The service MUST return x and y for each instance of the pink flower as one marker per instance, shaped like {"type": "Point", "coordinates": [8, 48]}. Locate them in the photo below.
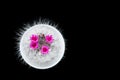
{"type": "Point", "coordinates": [44, 49]}
{"type": "Point", "coordinates": [49, 38]}
{"type": "Point", "coordinates": [34, 38]}
{"type": "Point", "coordinates": [33, 45]}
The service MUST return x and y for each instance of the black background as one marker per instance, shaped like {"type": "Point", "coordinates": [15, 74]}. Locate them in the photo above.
{"type": "Point", "coordinates": [79, 55]}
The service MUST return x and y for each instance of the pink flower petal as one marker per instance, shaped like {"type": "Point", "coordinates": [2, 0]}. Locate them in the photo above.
{"type": "Point", "coordinates": [34, 38]}
{"type": "Point", "coordinates": [49, 38]}
{"type": "Point", "coordinates": [33, 45]}
{"type": "Point", "coordinates": [44, 49]}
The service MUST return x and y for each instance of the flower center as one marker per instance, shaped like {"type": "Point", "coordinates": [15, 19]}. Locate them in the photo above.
{"type": "Point", "coordinates": [49, 38]}
{"type": "Point", "coordinates": [44, 49]}
{"type": "Point", "coordinates": [34, 44]}
{"type": "Point", "coordinates": [34, 38]}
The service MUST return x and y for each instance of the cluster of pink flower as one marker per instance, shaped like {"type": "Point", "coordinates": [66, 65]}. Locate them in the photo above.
{"type": "Point", "coordinates": [41, 42]}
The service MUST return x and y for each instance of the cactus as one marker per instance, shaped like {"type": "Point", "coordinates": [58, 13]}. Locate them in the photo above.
{"type": "Point", "coordinates": [41, 45]}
